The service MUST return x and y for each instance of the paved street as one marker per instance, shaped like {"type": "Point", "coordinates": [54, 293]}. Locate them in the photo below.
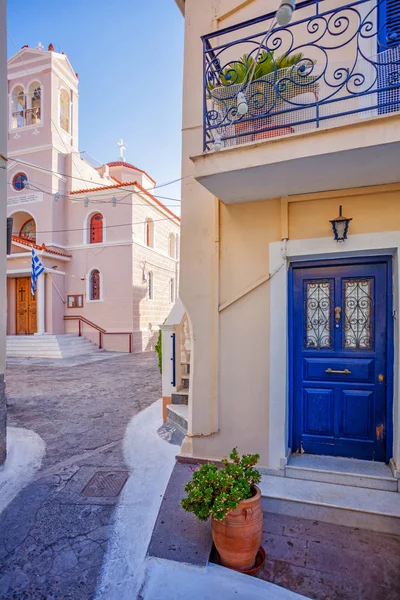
{"type": "Point", "coordinates": [53, 536]}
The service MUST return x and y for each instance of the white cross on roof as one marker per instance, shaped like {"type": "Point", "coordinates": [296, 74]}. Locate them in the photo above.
{"type": "Point", "coordinates": [122, 147]}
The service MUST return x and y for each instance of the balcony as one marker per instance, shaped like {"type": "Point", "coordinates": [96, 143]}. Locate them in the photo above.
{"type": "Point", "coordinates": [309, 107]}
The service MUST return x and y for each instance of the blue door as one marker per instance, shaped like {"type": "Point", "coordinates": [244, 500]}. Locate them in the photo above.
{"type": "Point", "coordinates": [339, 358]}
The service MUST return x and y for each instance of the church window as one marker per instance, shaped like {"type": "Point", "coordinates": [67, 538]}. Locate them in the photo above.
{"type": "Point", "coordinates": [18, 107]}
{"type": "Point", "coordinates": [94, 285]}
{"type": "Point", "coordinates": [19, 181]}
{"type": "Point", "coordinates": [172, 245]}
{"type": "Point", "coordinates": [149, 233]}
{"type": "Point", "coordinates": [151, 285]}
{"type": "Point", "coordinates": [64, 110]}
{"type": "Point", "coordinates": [96, 229]}
{"type": "Point", "coordinates": [34, 104]}
{"type": "Point", "coordinates": [28, 230]}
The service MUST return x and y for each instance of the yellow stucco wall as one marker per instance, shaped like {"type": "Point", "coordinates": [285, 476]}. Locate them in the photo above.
{"type": "Point", "coordinates": [371, 213]}
{"type": "Point", "coordinates": [245, 232]}
{"type": "Point", "coordinates": [225, 250]}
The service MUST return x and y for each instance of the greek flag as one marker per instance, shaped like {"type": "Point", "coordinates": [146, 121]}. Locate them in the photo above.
{"type": "Point", "coordinates": [37, 269]}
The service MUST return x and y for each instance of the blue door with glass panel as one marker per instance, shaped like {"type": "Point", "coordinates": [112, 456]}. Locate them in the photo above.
{"type": "Point", "coordinates": [340, 358]}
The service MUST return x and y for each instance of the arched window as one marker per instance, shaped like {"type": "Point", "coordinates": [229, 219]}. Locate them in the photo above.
{"type": "Point", "coordinates": [28, 230]}
{"type": "Point", "coordinates": [149, 233]}
{"type": "Point", "coordinates": [172, 245]}
{"type": "Point", "coordinates": [96, 229]}
{"type": "Point", "coordinates": [34, 104]}
{"type": "Point", "coordinates": [18, 107]}
{"type": "Point", "coordinates": [64, 110]}
{"type": "Point", "coordinates": [171, 290]}
{"type": "Point", "coordinates": [151, 285]}
{"type": "Point", "coordinates": [19, 181]}
{"type": "Point", "coordinates": [94, 285]}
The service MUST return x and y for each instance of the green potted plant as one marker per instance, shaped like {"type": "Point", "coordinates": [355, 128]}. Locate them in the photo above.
{"type": "Point", "coordinates": [230, 496]}
{"type": "Point", "coordinates": [267, 85]}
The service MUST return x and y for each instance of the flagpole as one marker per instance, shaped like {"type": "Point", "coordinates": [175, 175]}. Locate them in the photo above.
{"type": "Point", "coordinates": [57, 290]}
{"type": "Point", "coordinates": [41, 327]}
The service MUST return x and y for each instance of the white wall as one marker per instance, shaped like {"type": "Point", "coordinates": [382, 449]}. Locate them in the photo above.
{"type": "Point", "coordinates": [3, 215]}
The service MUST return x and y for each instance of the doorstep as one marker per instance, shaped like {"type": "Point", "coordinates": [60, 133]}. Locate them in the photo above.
{"type": "Point", "coordinates": [343, 471]}
{"type": "Point", "coordinates": [177, 414]}
{"type": "Point", "coordinates": [371, 509]}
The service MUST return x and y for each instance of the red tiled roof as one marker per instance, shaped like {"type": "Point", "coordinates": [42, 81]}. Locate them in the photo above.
{"type": "Point", "coordinates": [130, 183]}
{"type": "Point", "coordinates": [19, 240]}
{"type": "Point", "coordinates": [142, 189]}
{"type": "Point", "coordinates": [121, 163]}
{"type": "Point", "coordinates": [103, 187]}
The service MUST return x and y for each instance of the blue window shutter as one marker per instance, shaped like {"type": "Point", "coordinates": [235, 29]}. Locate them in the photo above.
{"type": "Point", "coordinates": [389, 56]}
{"type": "Point", "coordinates": [392, 23]}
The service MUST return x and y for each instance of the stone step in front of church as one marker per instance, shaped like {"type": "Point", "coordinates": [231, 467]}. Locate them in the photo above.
{"type": "Point", "coordinates": [49, 346]}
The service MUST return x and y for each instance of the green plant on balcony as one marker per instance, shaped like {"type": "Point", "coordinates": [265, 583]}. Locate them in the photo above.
{"type": "Point", "coordinates": [268, 84]}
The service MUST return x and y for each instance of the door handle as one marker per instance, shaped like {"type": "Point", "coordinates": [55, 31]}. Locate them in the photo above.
{"type": "Point", "coordinates": [338, 310]}
{"type": "Point", "coordinates": [344, 372]}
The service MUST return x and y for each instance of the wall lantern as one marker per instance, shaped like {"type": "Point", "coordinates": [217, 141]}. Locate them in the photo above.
{"type": "Point", "coordinates": [340, 226]}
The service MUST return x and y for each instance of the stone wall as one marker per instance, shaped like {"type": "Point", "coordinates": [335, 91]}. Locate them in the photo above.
{"type": "Point", "coordinates": [149, 314]}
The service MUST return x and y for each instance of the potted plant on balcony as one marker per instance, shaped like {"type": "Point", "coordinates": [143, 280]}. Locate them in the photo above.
{"type": "Point", "coordinates": [230, 496]}
{"type": "Point", "coordinates": [267, 85]}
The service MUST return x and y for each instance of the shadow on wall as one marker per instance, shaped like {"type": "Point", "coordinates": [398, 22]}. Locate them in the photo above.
{"type": "Point", "coordinates": [151, 341]}
{"type": "Point", "coordinates": [145, 321]}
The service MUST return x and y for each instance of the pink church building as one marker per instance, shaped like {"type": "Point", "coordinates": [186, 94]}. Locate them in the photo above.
{"type": "Point", "coordinates": [109, 246]}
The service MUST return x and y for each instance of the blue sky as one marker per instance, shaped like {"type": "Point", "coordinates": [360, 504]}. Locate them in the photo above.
{"type": "Point", "coordinates": [129, 57]}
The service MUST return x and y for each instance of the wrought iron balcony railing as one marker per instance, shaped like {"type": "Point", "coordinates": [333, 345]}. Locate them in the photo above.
{"type": "Point", "coordinates": [331, 65]}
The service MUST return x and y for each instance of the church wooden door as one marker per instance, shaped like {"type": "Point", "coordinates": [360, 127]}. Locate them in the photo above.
{"type": "Point", "coordinates": [26, 308]}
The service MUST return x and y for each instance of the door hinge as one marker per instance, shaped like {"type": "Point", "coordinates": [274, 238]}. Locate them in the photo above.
{"type": "Point", "coordinates": [380, 432]}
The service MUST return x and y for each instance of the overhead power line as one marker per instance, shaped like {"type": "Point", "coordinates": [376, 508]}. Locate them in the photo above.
{"type": "Point", "coordinates": [47, 190]}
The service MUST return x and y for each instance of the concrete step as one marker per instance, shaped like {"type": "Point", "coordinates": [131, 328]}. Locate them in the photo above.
{"type": "Point", "coordinates": [185, 381]}
{"type": "Point", "coordinates": [49, 346]}
{"type": "Point", "coordinates": [33, 339]}
{"type": "Point", "coordinates": [375, 510]}
{"type": "Point", "coordinates": [177, 414]}
{"type": "Point", "coordinates": [343, 471]}
{"type": "Point", "coordinates": [180, 397]}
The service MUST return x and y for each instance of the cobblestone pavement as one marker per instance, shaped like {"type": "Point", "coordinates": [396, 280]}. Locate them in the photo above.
{"type": "Point", "coordinates": [52, 537]}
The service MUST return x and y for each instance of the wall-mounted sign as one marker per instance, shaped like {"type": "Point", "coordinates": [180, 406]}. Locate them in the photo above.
{"type": "Point", "coordinates": [25, 198]}
{"type": "Point", "coordinates": [75, 301]}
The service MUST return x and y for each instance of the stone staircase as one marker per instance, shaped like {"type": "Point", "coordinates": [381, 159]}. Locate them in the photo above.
{"type": "Point", "coordinates": [177, 412]}
{"type": "Point", "coordinates": [48, 346]}
{"type": "Point", "coordinates": [343, 491]}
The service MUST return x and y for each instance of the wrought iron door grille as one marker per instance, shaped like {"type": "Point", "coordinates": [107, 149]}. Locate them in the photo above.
{"type": "Point", "coordinates": [318, 315]}
{"type": "Point", "coordinates": [358, 326]}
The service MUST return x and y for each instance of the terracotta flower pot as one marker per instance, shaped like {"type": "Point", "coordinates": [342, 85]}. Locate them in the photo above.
{"type": "Point", "coordinates": [248, 127]}
{"type": "Point", "coordinates": [238, 537]}
{"type": "Point", "coordinates": [267, 135]}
